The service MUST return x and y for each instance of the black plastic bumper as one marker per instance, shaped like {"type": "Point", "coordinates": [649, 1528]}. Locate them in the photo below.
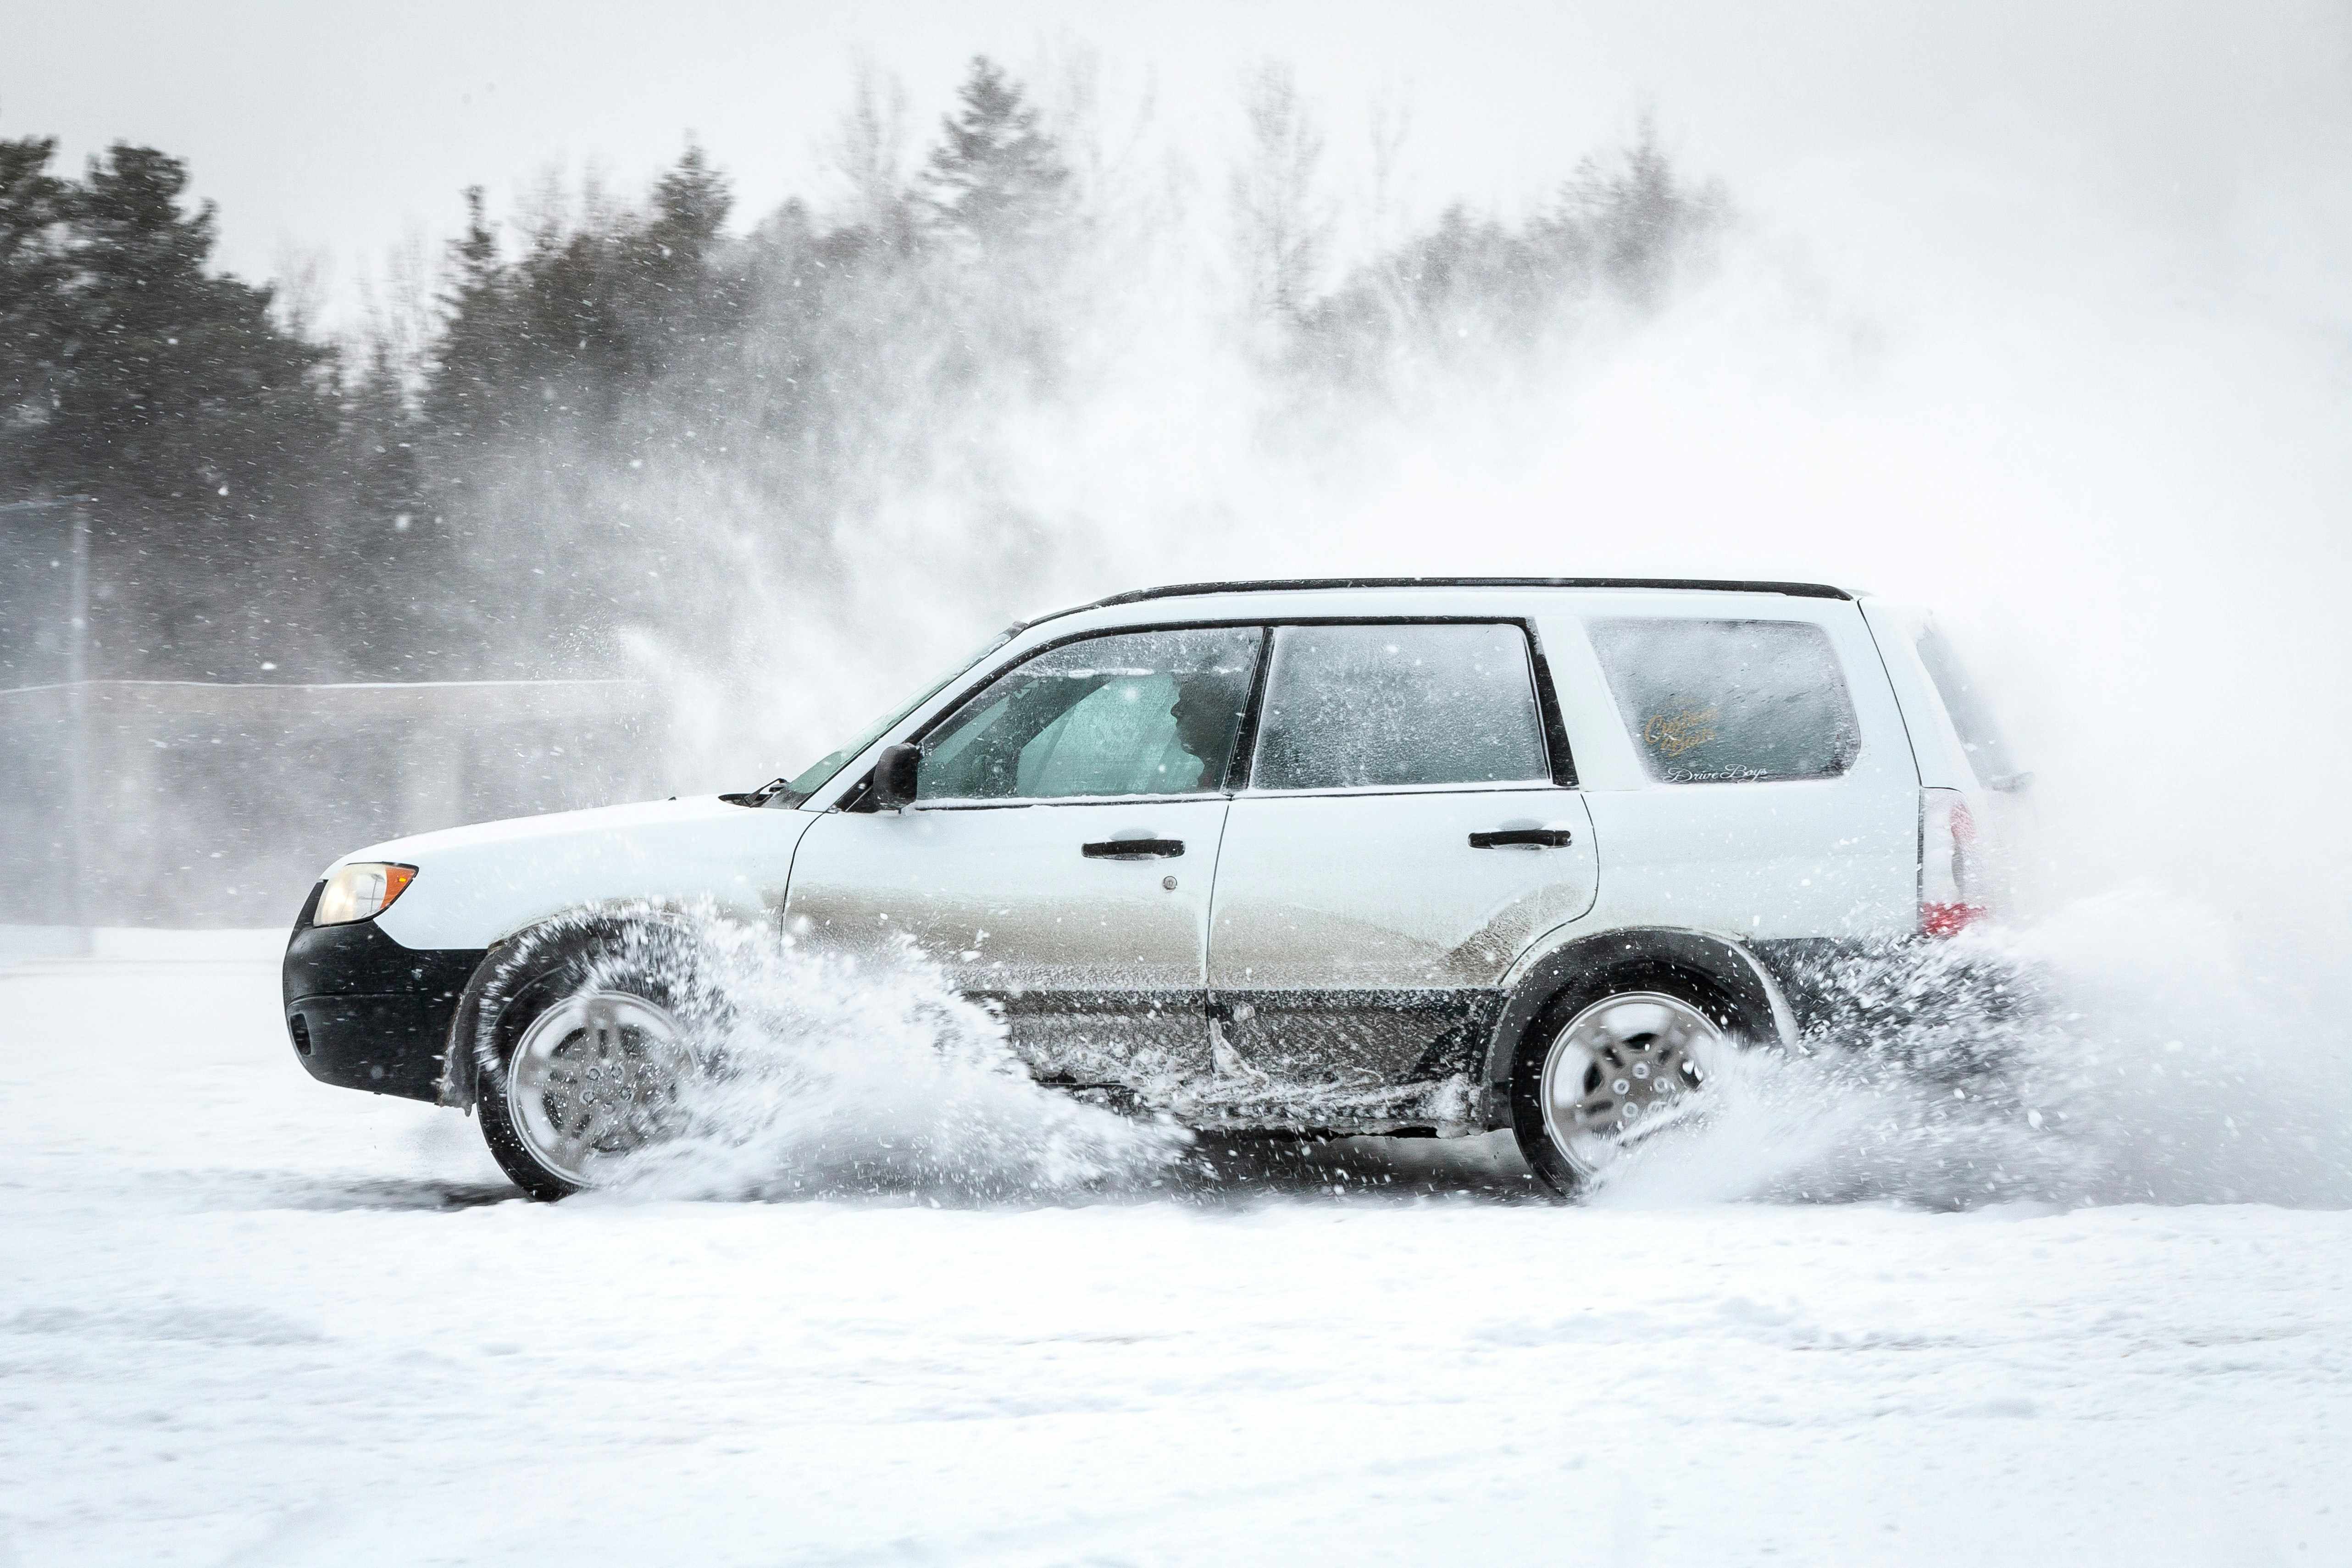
{"type": "Point", "coordinates": [364, 1012]}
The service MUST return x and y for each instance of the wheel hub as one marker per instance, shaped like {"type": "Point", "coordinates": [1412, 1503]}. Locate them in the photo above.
{"type": "Point", "coordinates": [594, 1078]}
{"type": "Point", "coordinates": [1624, 1067]}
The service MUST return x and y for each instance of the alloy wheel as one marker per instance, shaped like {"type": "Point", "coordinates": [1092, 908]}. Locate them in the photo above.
{"type": "Point", "coordinates": [1622, 1068]}
{"type": "Point", "coordinates": [593, 1079]}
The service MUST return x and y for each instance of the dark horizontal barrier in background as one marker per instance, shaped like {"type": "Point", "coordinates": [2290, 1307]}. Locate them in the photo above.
{"type": "Point", "coordinates": [180, 803]}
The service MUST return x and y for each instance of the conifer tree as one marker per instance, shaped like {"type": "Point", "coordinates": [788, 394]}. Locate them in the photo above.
{"type": "Point", "coordinates": [468, 370]}
{"type": "Point", "coordinates": [1282, 222]}
{"type": "Point", "coordinates": [177, 385]}
{"type": "Point", "coordinates": [994, 178]}
{"type": "Point", "coordinates": [33, 276]}
{"type": "Point", "coordinates": [1635, 217]}
{"type": "Point", "coordinates": [680, 295]}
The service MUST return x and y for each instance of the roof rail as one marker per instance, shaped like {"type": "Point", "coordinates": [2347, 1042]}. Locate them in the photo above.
{"type": "Point", "coordinates": [1292, 584]}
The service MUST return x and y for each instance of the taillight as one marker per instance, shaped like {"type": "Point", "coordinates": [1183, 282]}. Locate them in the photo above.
{"type": "Point", "coordinates": [1951, 880]}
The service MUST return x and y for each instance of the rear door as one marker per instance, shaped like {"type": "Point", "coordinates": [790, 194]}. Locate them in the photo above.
{"type": "Point", "coordinates": [1746, 761]}
{"type": "Point", "coordinates": [1408, 826]}
{"type": "Point", "coordinates": [1058, 857]}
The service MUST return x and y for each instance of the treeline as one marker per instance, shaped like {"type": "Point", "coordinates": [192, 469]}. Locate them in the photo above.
{"type": "Point", "coordinates": [609, 407]}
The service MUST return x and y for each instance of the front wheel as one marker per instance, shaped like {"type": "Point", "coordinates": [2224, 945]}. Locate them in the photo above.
{"type": "Point", "coordinates": [1610, 1064]}
{"type": "Point", "coordinates": [583, 1052]}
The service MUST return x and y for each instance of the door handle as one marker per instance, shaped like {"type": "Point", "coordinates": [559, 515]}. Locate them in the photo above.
{"type": "Point", "coordinates": [1133, 849]}
{"type": "Point", "coordinates": [1533, 837]}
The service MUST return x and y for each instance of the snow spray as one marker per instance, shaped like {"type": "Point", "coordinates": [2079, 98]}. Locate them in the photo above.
{"type": "Point", "coordinates": [823, 1076]}
{"type": "Point", "coordinates": [2109, 455]}
{"type": "Point", "coordinates": [2072, 1061]}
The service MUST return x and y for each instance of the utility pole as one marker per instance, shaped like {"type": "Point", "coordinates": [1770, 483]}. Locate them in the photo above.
{"type": "Point", "coordinates": [78, 713]}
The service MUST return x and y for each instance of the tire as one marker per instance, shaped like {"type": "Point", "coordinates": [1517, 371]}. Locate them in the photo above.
{"type": "Point", "coordinates": [585, 1030]}
{"type": "Point", "coordinates": [1635, 1024]}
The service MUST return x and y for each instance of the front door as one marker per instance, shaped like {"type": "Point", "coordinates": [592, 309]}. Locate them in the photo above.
{"type": "Point", "coordinates": [1399, 843]}
{"type": "Point", "coordinates": [1058, 859]}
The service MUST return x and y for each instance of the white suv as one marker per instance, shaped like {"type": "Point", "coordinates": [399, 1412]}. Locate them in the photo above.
{"type": "Point", "coordinates": [1409, 857]}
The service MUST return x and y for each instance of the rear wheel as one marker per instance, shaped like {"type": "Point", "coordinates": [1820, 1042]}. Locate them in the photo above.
{"type": "Point", "coordinates": [1612, 1062]}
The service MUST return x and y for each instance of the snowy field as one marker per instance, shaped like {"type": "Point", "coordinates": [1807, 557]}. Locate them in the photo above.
{"type": "Point", "coordinates": [247, 1319]}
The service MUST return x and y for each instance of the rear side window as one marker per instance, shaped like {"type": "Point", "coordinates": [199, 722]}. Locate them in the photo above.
{"type": "Point", "coordinates": [1372, 706]}
{"type": "Point", "coordinates": [1972, 716]}
{"type": "Point", "coordinates": [1731, 701]}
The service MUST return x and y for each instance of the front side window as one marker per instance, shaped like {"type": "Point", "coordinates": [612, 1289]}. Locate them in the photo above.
{"type": "Point", "coordinates": [1137, 712]}
{"type": "Point", "coordinates": [1723, 701]}
{"type": "Point", "coordinates": [1397, 705]}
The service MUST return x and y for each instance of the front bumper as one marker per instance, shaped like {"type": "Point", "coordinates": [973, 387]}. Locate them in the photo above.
{"type": "Point", "coordinates": [364, 1012]}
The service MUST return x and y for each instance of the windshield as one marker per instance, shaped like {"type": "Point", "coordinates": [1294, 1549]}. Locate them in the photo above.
{"type": "Point", "coordinates": [817, 773]}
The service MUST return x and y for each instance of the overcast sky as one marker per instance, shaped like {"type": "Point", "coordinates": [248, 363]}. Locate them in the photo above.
{"type": "Point", "coordinates": [340, 125]}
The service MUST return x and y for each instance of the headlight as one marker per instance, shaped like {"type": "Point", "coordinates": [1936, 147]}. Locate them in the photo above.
{"type": "Point", "coordinates": [362, 891]}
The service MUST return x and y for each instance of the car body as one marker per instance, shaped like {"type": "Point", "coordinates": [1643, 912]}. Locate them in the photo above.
{"type": "Point", "coordinates": [1315, 856]}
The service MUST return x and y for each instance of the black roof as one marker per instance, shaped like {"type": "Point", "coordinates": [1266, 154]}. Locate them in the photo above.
{"type": "Point", "coordinates": [1287, 584]}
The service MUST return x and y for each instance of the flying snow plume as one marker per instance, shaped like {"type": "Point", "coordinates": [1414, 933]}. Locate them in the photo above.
{"type": "Point", "coordinates": [2076, 1061]}
{"type": "Point", "coordinates": [2106, 452]}
{"type": "Point", "coordinates": [822, 1077]}
{"type": "Point", "coordinates": [2118, 485]}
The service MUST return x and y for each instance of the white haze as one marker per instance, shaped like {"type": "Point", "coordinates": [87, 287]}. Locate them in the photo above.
{"type": "Point", "coordinates": [2117, 473]}
{"type": "Point", "coordinates": [2111, 456]}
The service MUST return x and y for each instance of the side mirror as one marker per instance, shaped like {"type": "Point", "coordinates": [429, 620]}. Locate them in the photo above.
{"type": "Point", "coordinates": [894, 778]}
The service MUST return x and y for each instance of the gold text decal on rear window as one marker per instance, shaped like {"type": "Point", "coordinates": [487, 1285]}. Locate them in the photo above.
{"type": "Point", "coordinates": [1676, 732]}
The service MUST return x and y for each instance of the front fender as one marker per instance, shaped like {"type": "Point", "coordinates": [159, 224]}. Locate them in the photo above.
{"type": "Point", "coordinates": [477, 885]}
{"type": "Point", "coordinates": [489, 986]}
{"type": "Point", "coordinates": [1545, 972]}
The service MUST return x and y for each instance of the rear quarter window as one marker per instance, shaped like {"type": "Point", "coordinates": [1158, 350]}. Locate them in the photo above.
{"type": "Point", "coordinates": [1972, 718]}
{"type": "Point", "coordinates": [1713, 702]}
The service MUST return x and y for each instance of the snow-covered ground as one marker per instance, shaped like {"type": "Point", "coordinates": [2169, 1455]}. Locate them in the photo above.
{"type": "Point", "coordinates": [248, 1319]}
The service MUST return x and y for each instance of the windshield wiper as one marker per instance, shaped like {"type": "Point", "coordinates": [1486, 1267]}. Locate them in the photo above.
{"type": "Point", "coordinates": [760, 797]}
